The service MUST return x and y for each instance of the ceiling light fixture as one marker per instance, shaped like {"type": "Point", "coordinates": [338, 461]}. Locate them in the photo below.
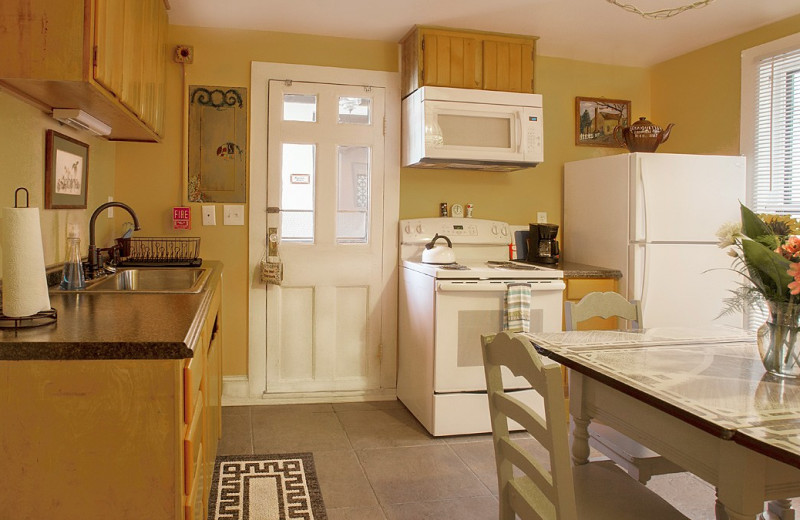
{"type": "Point", "coordinates": [661, 14]}
{"type": "Point", "coordinates": [81, 120]}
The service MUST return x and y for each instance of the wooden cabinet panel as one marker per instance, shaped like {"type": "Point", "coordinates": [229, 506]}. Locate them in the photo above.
{"type": "Point", "coordinates": [109, 59]}
{"type": "Point", "coordinates": [458, 58]}
{"type": "Point", "coordinates": [105, 57]}
{"type": "Point", "coordinates": [192, 447]}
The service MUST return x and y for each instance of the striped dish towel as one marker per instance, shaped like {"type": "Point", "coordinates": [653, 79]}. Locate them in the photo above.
{"type": "Point", "coordinates": [517, 310]}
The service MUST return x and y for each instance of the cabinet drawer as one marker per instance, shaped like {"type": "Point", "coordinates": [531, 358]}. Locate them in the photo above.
{"type": "Point", "coordinates": [191, 446]}
{"type": "Point", "coordinates": [193, 508]}
{"type": "Point", "coordinates": [578, 288]}
{"type": "Point", "coordinates": [192, 377]}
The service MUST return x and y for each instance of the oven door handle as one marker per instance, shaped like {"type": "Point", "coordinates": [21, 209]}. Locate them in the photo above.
{"type": "Point", "coordinates": [498, 286]}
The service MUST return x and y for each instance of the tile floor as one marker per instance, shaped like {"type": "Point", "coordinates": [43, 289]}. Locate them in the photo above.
{"type": "Point", "coordinates": [376, 462]}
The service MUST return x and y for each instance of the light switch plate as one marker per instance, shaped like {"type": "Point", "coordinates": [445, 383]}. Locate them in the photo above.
{"type": "Point", "coordinates": [541, 217]}
{"type": "Point", "coordinates": [110, 211]}
{"type": "Point", "coordinates": [209, 215]}
{"type": "Point", "coordinates": [233, 215]}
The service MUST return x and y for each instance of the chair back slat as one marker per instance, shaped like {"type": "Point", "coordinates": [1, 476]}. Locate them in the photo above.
{"type": "Point", "coordinates": [603, 305]}
{"type": "Point", "coordinates": [545, 493]}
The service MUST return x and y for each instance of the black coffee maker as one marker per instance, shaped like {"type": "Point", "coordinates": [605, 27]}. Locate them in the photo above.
{"type": "Point", "coordinates": [543, 246]}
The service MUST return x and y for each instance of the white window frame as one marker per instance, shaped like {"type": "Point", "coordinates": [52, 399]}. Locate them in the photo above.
{"type": "Point", "coordinates": [747, 129]}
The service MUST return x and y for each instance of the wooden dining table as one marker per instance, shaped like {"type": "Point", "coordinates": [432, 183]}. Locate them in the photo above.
{"type": "Point", "coordinates": [699, 397]}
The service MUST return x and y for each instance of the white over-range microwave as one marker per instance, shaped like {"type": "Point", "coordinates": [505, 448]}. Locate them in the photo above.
{"type": "Point", "coordinates": [472, 129]}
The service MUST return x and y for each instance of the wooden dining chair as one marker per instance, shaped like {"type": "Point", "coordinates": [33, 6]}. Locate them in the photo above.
{"type": "Point", "coordinates": [640, 462]}
{"type": "Point", "coordinates": [527, 487]}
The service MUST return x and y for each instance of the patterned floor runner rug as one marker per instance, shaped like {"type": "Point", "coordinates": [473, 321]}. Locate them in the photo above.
{"type": "Point", "coordinates": [265, 487]}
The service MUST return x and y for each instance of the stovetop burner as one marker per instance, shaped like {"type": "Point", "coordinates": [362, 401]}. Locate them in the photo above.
{"type": "Point", "coordinates": [454, 267]}
{"type": "Point", "coordinates": [512, 265]}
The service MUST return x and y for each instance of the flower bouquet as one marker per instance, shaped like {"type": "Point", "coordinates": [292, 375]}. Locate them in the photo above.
{"type": "Point", "coordinates": [766, 251]}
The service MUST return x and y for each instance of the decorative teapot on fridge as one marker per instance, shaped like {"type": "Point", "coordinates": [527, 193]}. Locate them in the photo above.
{"type": "Point", "coordinates": [641, 136]}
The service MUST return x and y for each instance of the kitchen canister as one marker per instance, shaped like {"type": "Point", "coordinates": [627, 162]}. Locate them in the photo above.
{"type": "Point", "coordinates": [24, 277]}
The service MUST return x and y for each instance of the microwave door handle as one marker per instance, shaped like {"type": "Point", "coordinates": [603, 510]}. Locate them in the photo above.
{"type": "Point", "coordinates": [519, 132]}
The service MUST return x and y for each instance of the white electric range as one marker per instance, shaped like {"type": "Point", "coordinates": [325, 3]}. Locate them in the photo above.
{"type": "Point", "coordinates": [444, 310]}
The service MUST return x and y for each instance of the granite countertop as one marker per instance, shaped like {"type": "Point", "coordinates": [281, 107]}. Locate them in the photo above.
{"type": "Point", "coordinates": [115, 326]}
{"type": "Point", "coordinates": [576, 270]}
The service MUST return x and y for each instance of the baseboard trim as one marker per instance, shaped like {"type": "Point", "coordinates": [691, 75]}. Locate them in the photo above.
{"type": "Point", "coordinates": [235, 393]}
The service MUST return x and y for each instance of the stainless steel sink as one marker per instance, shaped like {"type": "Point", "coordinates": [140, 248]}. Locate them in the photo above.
{"type": "Point", "coordinates": [152, 280]}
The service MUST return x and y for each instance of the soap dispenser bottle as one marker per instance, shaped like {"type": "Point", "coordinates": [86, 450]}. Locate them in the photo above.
{"type": "Point", "coordinates": [72, 277]}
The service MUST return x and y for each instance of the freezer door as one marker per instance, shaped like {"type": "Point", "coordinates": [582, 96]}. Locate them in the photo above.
{"type": "Point", "coordinates": [683, 284]}
{"type": "Point", "coordinates": [684, 198]}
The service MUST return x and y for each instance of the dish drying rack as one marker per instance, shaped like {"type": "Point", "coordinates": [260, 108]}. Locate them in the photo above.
{"type": "Point", "coordinates": [159, 251]}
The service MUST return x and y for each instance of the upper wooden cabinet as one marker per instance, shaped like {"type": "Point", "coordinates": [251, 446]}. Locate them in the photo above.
{"type": "Point", "coordinates": [459, 58]}
{"type": "Point", "coordinates": [106, 57]}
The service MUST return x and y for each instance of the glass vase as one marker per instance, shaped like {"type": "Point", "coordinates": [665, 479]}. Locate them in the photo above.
{"type": "Point", "coordinates": [779, 339]}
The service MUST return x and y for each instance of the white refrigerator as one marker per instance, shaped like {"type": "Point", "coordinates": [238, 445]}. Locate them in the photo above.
{"type": "Point", "coordinates": [655, 216]}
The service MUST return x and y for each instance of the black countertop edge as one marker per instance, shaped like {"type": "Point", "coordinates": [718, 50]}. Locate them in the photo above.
{"type": "Point", "coordinates": [81, 351]}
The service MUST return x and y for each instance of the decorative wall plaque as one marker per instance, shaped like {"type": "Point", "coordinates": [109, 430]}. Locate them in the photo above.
{"type": "Point", "coordinates": [217, 144]}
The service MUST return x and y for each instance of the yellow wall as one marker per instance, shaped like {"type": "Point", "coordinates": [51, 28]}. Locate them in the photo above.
{"type": "Point", "coordinates": [151, 177]}
{"type": "Point", "coordinates": [516, 197]}
{"type": "Point", "coordinates": [22, 144]}
{"type": "Point", "coordinates": [701, 92]}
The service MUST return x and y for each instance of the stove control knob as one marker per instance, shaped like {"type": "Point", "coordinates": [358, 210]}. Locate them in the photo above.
{"type": "Point", "coordinates": [419, 228]}
{"type": "Point", "coordinates": [494, 229]}
{"type": "Point", "coordinates": [504, 231]}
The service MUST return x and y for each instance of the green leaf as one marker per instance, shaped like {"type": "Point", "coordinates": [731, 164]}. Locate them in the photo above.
{"type": "Point", "coordinates": [769, 265]}
{"type": "Point", "coordinates": [752, 226]}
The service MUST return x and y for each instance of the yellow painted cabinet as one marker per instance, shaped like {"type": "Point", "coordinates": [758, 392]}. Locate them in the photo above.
{"type": "Point", "coordinates": [577, 288]}
{"type": "Point", "coordinates": [105, 57]}
{"type": "Point", "coordinates": [467, 59]}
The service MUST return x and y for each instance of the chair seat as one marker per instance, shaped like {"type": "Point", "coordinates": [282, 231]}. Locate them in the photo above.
{"type": "Point", "coordinates": [639, 461]}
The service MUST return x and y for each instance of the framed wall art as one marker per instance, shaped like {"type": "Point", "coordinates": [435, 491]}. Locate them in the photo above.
{"type": "Point", "coordinates": [66, 172]}
{"type": "Point", "coordinates": [596, 118]}
{"type": "Point", "coordinates": [217, 144]}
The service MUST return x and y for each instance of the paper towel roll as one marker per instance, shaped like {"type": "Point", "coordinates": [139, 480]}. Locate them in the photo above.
{"type": "Point", "coordinates": [24, 276]}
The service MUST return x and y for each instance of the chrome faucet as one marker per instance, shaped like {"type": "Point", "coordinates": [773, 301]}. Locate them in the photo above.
{"type": "Point", "coordinates": [94, 253]}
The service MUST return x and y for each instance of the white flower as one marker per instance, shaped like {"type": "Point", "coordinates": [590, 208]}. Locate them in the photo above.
{"type": "Point", "coordinates": [728, 233]}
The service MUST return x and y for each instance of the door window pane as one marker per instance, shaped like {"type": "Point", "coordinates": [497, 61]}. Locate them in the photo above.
{"type": "Point", "coordinates": [352, 218]}
{"type": "Point", "coordinates": [297, 192]}
{"type": "Point", "coordinates": [299, 107]}
{"type": "Point", "coordinates": [355, 110]}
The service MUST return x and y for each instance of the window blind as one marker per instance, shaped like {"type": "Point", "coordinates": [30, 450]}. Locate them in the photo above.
{"type": "Point", "coordinates": [776, 160]}
{"type": "Point", "coordinates": [776, 148]}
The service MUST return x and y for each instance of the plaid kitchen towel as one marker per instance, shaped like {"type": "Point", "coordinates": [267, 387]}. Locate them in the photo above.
{"type": "Point", "coordinates": [517, 310]}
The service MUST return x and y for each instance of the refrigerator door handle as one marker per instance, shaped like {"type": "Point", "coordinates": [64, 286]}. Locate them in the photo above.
{"type": "Point", "coordinates": [642, 197]}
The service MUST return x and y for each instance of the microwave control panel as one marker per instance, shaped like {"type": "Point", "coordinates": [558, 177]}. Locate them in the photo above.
{"type": "Point", "coordinates": [534, 147]}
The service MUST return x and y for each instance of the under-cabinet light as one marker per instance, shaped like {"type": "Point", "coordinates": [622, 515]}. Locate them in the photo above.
{"type": "Point", "coordinates": [81, 120]}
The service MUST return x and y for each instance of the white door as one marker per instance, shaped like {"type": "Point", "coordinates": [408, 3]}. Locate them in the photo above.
{"type": "Point", "coordinates": [683, 285]}
{"type": "Point", "coordinates": [324, 196]}
{"type": "Point", "coordinates": [686, 198]}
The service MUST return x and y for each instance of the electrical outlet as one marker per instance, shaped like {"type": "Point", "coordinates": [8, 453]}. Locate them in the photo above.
{"type": "Point", "coordinates": [233, 215]}
{"type": "Point", "coordinates": [209, 215]}
{"type": "Point", "coordinates": [541, 217]}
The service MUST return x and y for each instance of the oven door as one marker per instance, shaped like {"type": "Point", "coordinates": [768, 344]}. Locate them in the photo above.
{"type": "Point", "coordinates": [466, 309]}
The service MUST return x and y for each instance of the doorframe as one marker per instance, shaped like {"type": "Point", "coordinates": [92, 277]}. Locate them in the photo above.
{"type": "Point", "coordinates": [239, 391]}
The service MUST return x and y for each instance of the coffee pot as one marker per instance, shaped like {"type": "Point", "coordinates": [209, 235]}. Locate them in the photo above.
{"type": "Point", "coordinates": [543, 247]}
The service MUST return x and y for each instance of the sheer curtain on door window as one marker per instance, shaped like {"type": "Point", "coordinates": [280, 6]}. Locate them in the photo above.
{"type": "Point", "coordinates": [770, 135]}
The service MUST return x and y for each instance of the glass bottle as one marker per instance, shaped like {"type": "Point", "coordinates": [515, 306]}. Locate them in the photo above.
{"type": "Point", "coordinates": [72, 276]}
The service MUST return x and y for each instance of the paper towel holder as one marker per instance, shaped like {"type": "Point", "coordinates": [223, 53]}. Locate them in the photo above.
{"type": "Point", "coordinates": [27, 198]}
{"type": "Point", "coordinates": [38, 319]}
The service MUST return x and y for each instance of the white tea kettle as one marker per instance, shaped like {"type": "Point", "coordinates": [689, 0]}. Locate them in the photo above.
{"type": "Point", "coordinates": [439, 254]}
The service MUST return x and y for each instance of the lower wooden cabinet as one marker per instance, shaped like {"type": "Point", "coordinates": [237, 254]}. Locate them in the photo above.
{"type": "Point", "coordinates": [125, 439]}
